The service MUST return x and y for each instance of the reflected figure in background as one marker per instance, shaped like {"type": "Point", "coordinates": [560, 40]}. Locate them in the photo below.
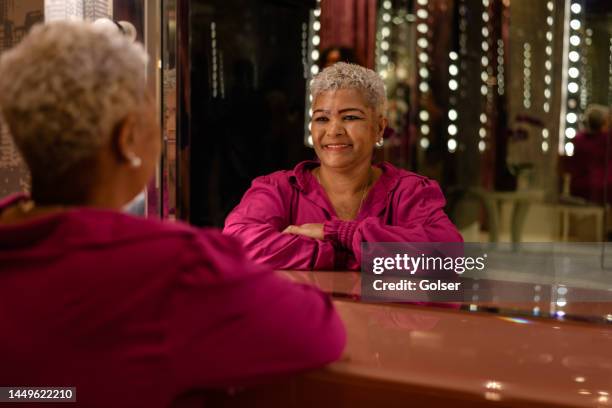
{"type": "Point", "coordinates": [587, 167]}
{"type": "Point", "coordinates": [130, 311]}
{"type": "Point", "coordinates": [317, 215]}
{"type": "Point", "coordinates": [331, 55]}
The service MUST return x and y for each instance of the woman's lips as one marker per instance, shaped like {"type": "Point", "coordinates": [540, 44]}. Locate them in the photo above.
{"type": "Point", "coordinates": [337, 147]}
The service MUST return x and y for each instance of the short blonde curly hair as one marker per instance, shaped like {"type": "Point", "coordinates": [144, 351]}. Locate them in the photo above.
{"type": "Point", "coordinates": [64, 89]}
{"type": "Point", "coordinates": [343, 75]}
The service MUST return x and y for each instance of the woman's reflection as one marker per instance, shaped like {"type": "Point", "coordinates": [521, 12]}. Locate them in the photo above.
{"type": "Point", "coordinates": [317, 215]}
{"type": "Point", "coordinates": [587, 167]}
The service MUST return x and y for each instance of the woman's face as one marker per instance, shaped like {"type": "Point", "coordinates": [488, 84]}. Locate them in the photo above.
{"type": "Point", "coordinates": [344, 128]}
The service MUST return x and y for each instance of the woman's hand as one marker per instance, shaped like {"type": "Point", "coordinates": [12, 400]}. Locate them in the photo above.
{"type": "Point", "coordinates": [308, 230]}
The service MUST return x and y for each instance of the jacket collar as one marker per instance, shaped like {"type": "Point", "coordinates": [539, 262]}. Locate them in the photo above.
{"type": "Point", "coordinates": [376, 202]}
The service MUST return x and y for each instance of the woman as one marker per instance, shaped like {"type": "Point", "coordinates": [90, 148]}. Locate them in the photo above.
{"type": "Point", "coordinates": [587, 166]}
{"type": "Point", "coordinates": [317, 215]}
{"type": "Point", "coordinates": [131, 312]}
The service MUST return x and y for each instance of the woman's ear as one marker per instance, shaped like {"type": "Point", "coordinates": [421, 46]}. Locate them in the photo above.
{"type": "Point", "coordinates": [124, 141]}
{"type": "Point", "coordinates": [382, 125]}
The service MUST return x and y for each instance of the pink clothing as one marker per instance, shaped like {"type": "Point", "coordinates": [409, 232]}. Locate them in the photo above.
{"type": "Point", "coordinates": [401, 207]}
{"type": "Point", "coordinates": [588, 167]}
{"type": "Point", "coordinates": [135, 312]}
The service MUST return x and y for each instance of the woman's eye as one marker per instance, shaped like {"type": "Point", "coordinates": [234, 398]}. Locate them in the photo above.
{"type": "Point", "coordinates": [351, 117]}
{"type": "Point", "coordinates": [321, 119]}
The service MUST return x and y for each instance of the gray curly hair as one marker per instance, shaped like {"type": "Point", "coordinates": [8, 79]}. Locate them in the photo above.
{"type": "Point", "coordinates": [64, 89]}
{"type": "Point", "coordinates": [343, 75]}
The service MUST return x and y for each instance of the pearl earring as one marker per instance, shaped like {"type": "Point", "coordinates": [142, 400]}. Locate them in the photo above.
{"type": "Point", "coordinates": [380, 143]}
{"type": "Point", "coordinates": [135, 162]}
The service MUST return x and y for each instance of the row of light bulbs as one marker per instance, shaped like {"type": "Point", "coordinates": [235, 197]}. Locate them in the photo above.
{"type": "Point", "coordinates": [422, 39]}
{"type": "Point", "coordinates": [311, 39]}
{"type": "Point", "coordinates": [573, 87]}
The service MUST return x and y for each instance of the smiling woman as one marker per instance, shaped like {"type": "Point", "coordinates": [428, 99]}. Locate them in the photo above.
{"type": "Point", "coordinates": [317, 215]}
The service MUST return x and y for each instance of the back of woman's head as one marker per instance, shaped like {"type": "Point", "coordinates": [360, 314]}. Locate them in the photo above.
{"type": "Point", "coordinates": [595, 118]}
{"type": "Point", "coordinates": [64, 89]}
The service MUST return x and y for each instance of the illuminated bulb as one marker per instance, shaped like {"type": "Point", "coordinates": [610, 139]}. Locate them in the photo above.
{"type": "Point", "coordinates": [317, 12]}
{"type": "Point", "coordinates": [546, 107]}
{"type": "Point", "coordinates": [386, 17]}
{"type": "Point", "coordinates": [482, 145]}
{"type": "Point", "coordinates": [424, 143]}
{"type": "Point", "coordinates": [422, 28]}
{"type": "Point", "coordinates": [484, 76]}
{"type": "Point", "coordinates": [572, 87]}
{"type": "Point", "coordinates": [453, 85]}
{"type": "Point", "coordinates": [422, 2]}
{"type": "Point", "coordinates": [485, 32]}
{"type": "Point", "coordinates": [387, 5]}
{"type": "Point", "coordinates": [548, 65]}
{"type": "Point", "coordinates": [569, 148]}
{"type": "Point", "coordinates": [483, 118]}
{"type": "Point", "coordinates": [316, 40]}
{"type": "Point", "coordinates": [485, 46]}
{"type": "Point", "coordinates": [452, 114]}
{"type": "Point", "coordinates": [452, 130]}
{"type": "Point", "coordinates": [482, 133]}
{"type": "Point", "coordinates": [384, 45]}
{"type": "Point", "coordinates": [424, 87]}
{"type": "Point", "coordinates": [545, 133]}
{"type": "Point", "coordinates": [570, 133]}
{"type": "Point", "coordinates": [316, 26]}
{"type": "Point", "coordinates": [424, 115]}
{"type": "Point", "coordinates": [547, 93]}
{"type": "Point", "coordinates": [575, 24]}
{"type": "Point", "coordinates": [571, 117]}
{"type": "Point", "coordinates": [575, 40]}
{"type": "Point", "coordinates": [422, 42]}
{"type": "Point", "coordinates": [386, 31]}
{"type": "Point", "coordinates": [453, 56]}
{"type": "Point", "coordinates": [452, 145]}
{"type": "Point", "coordinates": [549, 36]}
{"type": "Point", "coordinates": [422, 13]}
{"type": "Point", "coordinates": [424, 73]}
{"type": "Point", "coordinates": [561, 302]}
{"type": "Point", "coordinates": [314, 69]}
{"type": "Point", "coordinates": [548, 50]}
{"type": "Point", "coordinates": [423, 57]}
{"type": "Point", "coordinates": [310, 140]}
{"type": "Point", "coordinates": [485, 16]}
{"type": "Point", "coordinates": [484, 90]}
{"type": "Point", "coordinates": [576, 8]}
{"type": "Point", "coordinates": [549, 21]}
{"type": "Point", "coordinates": [384, 59]}
{"type": "Point", "coordinates": [453, 70]}
{"type": "Point", "coordinates": [424, 129]}
{"type": "Point", "coordinates": [484, 61]}
{"type": "Point", "coordinates": [315, 55]}
{"type": "Point", "coordinates": [550, 6]}
{"type": "Point", "coordinates": [574, 56]}
{"type": "Point", "coordinates": [574, 72]}
{"type": "Point", "coordinates": [544, 147]}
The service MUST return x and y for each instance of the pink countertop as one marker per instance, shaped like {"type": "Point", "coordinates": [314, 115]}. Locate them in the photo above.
{"type": "Point", "coordinates": [488, 357]}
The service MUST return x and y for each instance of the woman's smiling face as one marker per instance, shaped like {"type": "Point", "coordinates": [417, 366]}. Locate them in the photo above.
{"type": "Point", "coordinates": [344, 128]}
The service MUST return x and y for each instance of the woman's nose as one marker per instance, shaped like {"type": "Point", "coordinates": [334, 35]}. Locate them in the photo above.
{"type": "Point", "coordinates": [336, 128]}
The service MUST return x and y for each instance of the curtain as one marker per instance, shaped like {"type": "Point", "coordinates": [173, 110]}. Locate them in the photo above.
{"type": "Point", "coordinates": [350, 23]}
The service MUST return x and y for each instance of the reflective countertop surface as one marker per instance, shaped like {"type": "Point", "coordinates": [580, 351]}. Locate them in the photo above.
{"type": "Point", "coordinates": [489, 352]}
{"type": "Point", "coordinates": [485, 356]}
